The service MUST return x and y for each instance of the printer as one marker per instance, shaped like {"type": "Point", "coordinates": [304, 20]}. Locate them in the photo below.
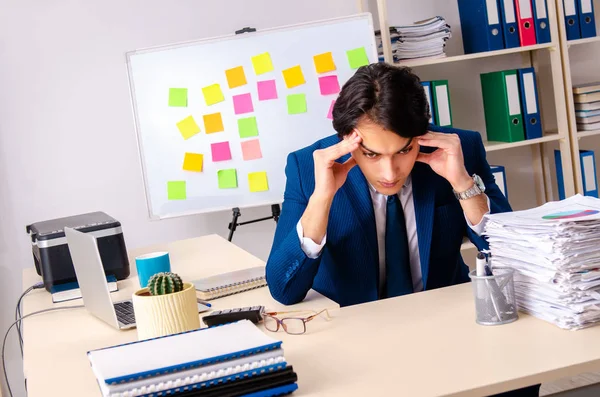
{"type": "Point", "coordinates": [51, 253]}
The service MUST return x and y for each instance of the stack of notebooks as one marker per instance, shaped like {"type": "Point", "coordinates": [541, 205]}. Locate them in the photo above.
{"type": "Point", "coordinates": [423, 39]}
{"type": "Point", "coordinates": [230, 283]}
{"type": "Point", "coordinates": [235, 359]}
{"type": "Point", "coordinates": [587, 106]}
{"type": "Point", "coordinates": [553, 250]}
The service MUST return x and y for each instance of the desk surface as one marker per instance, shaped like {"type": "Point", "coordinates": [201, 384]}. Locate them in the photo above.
{"type": "Point", "coordinates": [424, 344]}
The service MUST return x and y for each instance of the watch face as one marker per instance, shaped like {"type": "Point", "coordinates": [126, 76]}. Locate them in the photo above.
{"type": "Point", "coordinates": [479, 182]}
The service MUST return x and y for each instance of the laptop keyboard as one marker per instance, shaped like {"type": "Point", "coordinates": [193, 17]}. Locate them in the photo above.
{"type": "Point", "coordinates": [124, 312]}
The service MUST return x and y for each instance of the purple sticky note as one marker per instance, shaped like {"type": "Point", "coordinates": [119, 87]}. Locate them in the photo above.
{"type": "Point", "coordinates": [220, 151]}
{"type": "Point", "coordinates": [330, 114]}
{"type": "Point", "coordinates": [242, 104]}
{"type": "Point", "coordinates": [329, 85]}
{"type": "Point", "coordinates": [267, 90]}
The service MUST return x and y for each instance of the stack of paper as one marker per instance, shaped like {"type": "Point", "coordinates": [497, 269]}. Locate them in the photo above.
{"type": "Point", "coordinates": [554, 252]}
{"type": "Point", "coordinates": [423, 39]}
{"type": "Point", "coordinates": [229, 360]}
{"type": "Point", "coordinates": [587, 106]}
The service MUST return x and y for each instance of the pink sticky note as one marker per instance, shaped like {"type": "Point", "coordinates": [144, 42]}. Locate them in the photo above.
{"type": "Point", "coordinates": [251, 150]}
{"type": "Point", "coordinates": [267, 90]}
{"type": "Point", "coordinates": [329, 85]}
{"type": "Point", "coordinates": [220, 151]}
{"type": "Point", "coordinates": [330, 114]}
{"type": "Point", "coordinates": [242, 104]}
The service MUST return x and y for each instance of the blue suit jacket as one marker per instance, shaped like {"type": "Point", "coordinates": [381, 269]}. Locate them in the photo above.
{"type": "Point", "coordinates": [347, 270]}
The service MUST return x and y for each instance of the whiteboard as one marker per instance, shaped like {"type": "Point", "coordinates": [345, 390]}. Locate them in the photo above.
{"type": "Point", "coordinates": [173, 189]}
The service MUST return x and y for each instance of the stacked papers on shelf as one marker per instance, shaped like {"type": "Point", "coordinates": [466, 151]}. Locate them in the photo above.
{"type": "Point", "coordinates": [553, 250]}
{"type": "Point", "coordinates": [423, 39]}
{"type": "Point", "coordinates": [587, 105]}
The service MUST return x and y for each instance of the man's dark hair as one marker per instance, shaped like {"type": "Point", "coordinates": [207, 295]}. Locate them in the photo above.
{"type": "Point", "coordinates": [389, 96]}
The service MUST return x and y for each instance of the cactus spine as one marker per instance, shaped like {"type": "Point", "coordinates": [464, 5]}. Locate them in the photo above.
{"type": "Point", "coordinates": [164, 283]}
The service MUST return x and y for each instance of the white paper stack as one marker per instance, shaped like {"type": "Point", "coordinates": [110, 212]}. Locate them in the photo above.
{"type": "Point", "coordinates": [554, 250]}
{"type": "Point", "coordinates": [423, 39]}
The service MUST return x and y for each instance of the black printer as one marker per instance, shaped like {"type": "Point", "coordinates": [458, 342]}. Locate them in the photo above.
{"type": "Point", "coordinates": [51, 253]}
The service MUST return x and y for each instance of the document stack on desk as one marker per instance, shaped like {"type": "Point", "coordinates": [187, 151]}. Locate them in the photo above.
{"type": "Point", "coordinates": [234, 359]}
{"type": "Point", "coordinates": [420, 40]}
{"type": "Point", "coordinates": [554, 252]}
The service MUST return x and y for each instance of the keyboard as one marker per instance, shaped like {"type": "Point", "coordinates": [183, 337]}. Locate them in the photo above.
{"type": "Point", "coordinates": [124, 312]}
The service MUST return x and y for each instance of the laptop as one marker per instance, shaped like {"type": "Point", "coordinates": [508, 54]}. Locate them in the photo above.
{"type": "Point", "coordinates": [92, 282]}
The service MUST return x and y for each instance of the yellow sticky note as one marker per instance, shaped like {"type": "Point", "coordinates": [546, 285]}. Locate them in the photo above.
{"type": "Point", "coordinates": [213, 94]}
{"type": "Point", "coordinates": [213, 123]}
{"type": "Point", "coordinates": [293, 77]}
{"type": "Point", "coordinates": [324, 62]}
{"type": "Point", "coordinates": [193, 162]}
{"type": "Point", "coordinates": [258, 181]}
{"type": "Point", "coordinates": [236, 77]}
{"type": "Point", "coordinates": [188, 127]}
{"type": "Point", "coordinates": [262, 63]}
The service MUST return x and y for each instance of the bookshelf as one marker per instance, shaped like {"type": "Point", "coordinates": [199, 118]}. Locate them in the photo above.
{"type": "Point", "coordinates": [567, 46]}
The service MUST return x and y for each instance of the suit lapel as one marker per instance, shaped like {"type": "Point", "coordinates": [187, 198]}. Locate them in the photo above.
{"type": "Point", "coordinates": [424, 199]}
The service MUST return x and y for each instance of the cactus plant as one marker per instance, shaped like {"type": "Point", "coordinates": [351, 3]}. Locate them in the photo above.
{"type": "Point", "coordinates": [164, 283]}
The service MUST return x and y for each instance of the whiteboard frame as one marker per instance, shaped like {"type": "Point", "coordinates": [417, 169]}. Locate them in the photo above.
{"type": "Point", "coordinates": [361, 16]}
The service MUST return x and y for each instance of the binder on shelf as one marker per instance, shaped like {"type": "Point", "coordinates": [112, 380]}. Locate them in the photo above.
{"type": "Point", "coordinates": [502, 106]}
{"type": "Point", "coordinates": [587, 161]}
{"type": "Point", "coordinates": [532, 122]}
{"type": "Point", "coordinates": [571, 20]}
{"type": "Point", "coordinates": [230, 283]}
{"type": "Point", "coordinates": [525, 21]}
{"type": "Point", "coordinates": [441, 103]}
{"type": "Point", "coordinates": [510, 28]}
{"type": "Point", "coordinates": [480, 25]}
{"type": "Point", "coordinates": [427, 87]}
{"type": "Point", "coordinates": [560, 182]}
{"type": "Point", "coordinates": [499, 173]}
{"type": "Point", "coordinates": [587, 20]}
{"type": "Point", "coordinates": [541, 21]}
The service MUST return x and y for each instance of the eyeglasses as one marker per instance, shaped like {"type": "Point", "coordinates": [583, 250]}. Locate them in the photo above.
{"type": "Point", "coordinates": [291, 325]}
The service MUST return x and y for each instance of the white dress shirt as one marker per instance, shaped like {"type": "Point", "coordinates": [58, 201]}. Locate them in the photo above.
{"type": "Point", "coordinates": [313, 250]}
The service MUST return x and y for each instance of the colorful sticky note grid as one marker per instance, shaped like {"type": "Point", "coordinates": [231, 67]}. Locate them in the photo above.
{"type": "Point", "coordinates": [258, 181]}
{"type": "Point", "coordinates": [193, 162]}
{"type": "Point", "coordinates": [251, 150]}
{"type": "Point", "coordinates": [178, 97]}
{"type": "Point", "coordinates": [330, 114]}
{"type": "Point", "coordinates": [293, 77]}
{"type": "Point", "coordinates": [357, 57]}
{"type": "Point", "coordinates": [236, 77]}
{"type": "Point", "coordinates": [242, 104]}
{"type": "Point", "coordinates": [227, 178]}
{"type": "Point", "coordinates": [213, 123]}
{"type": "Point", "coordinates": [220, 151]}
{"type": "Point", "coordinates": [213, 94]}
{"type": "Point", "coordinates": [296, 103]}
{"type": "Point", "coordinates": [176, 190]}
{"type": "Point", "coordinates": [247, 127]}
{"type": "Point", "coordinates": [329, 85]}
{"type": "Point", "coordinates": [267, 90]}
{"type": "Point", "coordinates": [324, 62]}
{"type": "Point", "coordinates": [262, 63]}
{"type": "Point", "coordinates": [188, 127]}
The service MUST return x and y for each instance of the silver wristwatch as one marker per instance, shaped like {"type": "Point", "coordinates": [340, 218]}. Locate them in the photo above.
{"type": "Point", "coordinates": [477, 189]}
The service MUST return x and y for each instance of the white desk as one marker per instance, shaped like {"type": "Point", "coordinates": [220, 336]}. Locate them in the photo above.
{"type": "Point", "coordinates": [424, 344]}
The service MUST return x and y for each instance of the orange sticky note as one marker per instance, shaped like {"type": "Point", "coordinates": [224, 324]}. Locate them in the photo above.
{"type": "Point", "coordinates": [258, 181]}
{"type": "Point", "coordinates": [213, 123]}
{"type": "Point", "coordinates": [236, 77]}
{"type": "Point", "coordinates": [188, 127]}
{"type": "Point", "coordinates": [262, 63]}
{"type": "Point", "coordinates": [293, 77]}
{"type": "Point", "coordinates": [213, 94]}
{"type": "Point", "coordinates": [193, 162]}
{"type": "Point", "coordinates": [324, 62]}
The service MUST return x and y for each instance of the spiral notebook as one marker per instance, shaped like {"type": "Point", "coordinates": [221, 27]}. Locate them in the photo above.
{"type": "Point", "coordinates": [230, 283]}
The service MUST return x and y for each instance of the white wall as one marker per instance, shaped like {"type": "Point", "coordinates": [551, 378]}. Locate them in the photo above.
{"type": "Point", "coordinates": [67, 140]}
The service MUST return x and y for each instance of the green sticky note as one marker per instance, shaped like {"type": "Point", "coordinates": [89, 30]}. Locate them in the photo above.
{"type": "Point", "coordinates": [178, 97]}
{"type": "Point", "coordinates": [227, 178]}
{"type": "Point", "coordinates": [176, 190]}
{"type": "Point", "coordinates": [357, 57]}
{"type": "Point", "coordinates": [247, 127]}
{"type": "Point", "coordinates": [296, 103]}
